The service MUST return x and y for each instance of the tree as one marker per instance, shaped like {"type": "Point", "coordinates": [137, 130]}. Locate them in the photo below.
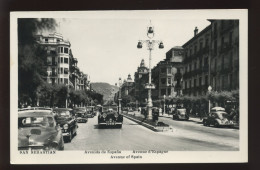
{"type": "Point", "coordinates": [31, 58]}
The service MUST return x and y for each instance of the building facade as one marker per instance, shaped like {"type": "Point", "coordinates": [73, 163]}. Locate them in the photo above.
{"type": "Point", "coordinates": [196, 63]}
{"type": "Point", "coordinates": [212, 58]}
{"type": "Point", "coordinates": [224, 67]}
{"type": "Point", "coordinates": [61, 66]}
{"type": "Point", "coordinates": [128, 87]}
{"type": "Point", "coordinates": [167, 75]}
{"type": "Point", "coordinates": [141, 78]}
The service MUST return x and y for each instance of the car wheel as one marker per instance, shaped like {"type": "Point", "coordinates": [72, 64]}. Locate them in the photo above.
{"type": "Point", "coordinates": [204, 123]}
{"type": "Point", "coordinates": [61, 144]}
{"type": "Point", "coordinates": [216, 124]}
{"type": "Point", "coordinates": [70, 137]}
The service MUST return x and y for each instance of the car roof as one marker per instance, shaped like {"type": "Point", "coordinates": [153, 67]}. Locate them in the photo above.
{"type": "Point", "coordinates": [62, 109]}
{"type": "Point", "coordinates": [29, 113]}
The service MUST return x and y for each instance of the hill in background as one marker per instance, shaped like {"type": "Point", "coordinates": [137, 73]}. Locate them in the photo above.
{"type": "Point", "coordinates": [108, 91]}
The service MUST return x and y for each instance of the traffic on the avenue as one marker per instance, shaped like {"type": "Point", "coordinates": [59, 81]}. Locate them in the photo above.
{"type": "Point", "coordinates": [105, 127]}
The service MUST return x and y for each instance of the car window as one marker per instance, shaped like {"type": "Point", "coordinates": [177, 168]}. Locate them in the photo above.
{"type": "Point", "coordinates": [63, 113]}
{"type": "Point", "coordinates": [35, 122]}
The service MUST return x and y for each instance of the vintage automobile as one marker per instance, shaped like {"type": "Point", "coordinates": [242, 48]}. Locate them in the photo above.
{"type": "Point", "coordinates": [81, 114]}
{"type": "Point", "coordinates": [110, 117]}
{"type": "Point", "coordinates": [180, 114]}
{"type": "Point", "coordinates": [38, 130]}
{"type": "Point", "coordinates": [67, 122]}
{"type": "Point", "coordinates": [218, 117]}
{"type": "Point", "coordinates": [90, 111]}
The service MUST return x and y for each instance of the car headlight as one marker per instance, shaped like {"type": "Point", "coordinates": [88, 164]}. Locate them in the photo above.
{"type": "Point", "coordinates": [116, 114]}
{"type": "Point", "coordinates": [66, 126]}
{"type": "Point", "coordinates": [52, 146]}
{"type": "Point", "coordinates": [104, 115]}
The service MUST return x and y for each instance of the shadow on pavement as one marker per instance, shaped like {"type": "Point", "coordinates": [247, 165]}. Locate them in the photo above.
{"type": "Point", "coordinates": [106, 127]}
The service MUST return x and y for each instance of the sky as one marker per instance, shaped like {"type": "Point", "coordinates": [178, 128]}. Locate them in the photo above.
{"type": "Point", "coordinates": [105, 44]}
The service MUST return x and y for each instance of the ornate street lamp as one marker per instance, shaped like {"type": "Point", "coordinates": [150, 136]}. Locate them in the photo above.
{"type": "Point", "coordinates": [150, 46]}
{"type": "Point", "coordinates": [209, 90]}
{"type": "Point", "coordinates": [119, 95]}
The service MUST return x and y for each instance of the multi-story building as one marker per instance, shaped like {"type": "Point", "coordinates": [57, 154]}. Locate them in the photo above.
{"type": "Point", "coordinates": [167, 75]}
{"type": "Point", "coordinates": [128, 87]}
{"type": "Point", "coordinates": [141, 78]}
{"type": "Point", "coordinates": [212, 58]}
{"type": "Point", "coordinates": [196, 63]}
{"type": "Point", "coordinates": [61, 66]}
{"type": "Point", "coordinates": [58, 54]}
{"type": "Point", "coordinates": [224, 59]}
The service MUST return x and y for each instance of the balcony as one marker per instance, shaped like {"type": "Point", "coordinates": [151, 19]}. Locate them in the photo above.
{"type": "Point", "coordinates": [205, 68]}
{"type": "Point", "coordinates": [225, 48]}
{"type": "Point", "coordinates": [53, 74]}
{"type": "Point", "coordinates": [227, 27]}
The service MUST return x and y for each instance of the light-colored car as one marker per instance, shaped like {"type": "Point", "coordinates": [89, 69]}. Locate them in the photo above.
{"type": "Point", "coordinates": [37, 129]}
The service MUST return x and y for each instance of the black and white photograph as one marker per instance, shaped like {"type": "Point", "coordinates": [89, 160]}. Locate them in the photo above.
{"type": "Point", "coordinates": [129, 86]}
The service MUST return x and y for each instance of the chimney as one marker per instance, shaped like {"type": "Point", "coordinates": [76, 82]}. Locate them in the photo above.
{"type": "Point", "coordinates": [196, 31]}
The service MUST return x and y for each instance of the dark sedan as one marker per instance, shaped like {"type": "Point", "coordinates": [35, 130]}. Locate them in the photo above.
{"type": "Point", "coordinates": [81, 114]}
{"type": "Point", "coordinates": [37, 129]}
{"type": "Point", "coordinates": [180, 114]}
{"type": "Point", "coordinates": [110, 117]}
{"type": "Point", "coordinates": [218, 118]}
{"type": "Point", "coordinates": [67, 122]}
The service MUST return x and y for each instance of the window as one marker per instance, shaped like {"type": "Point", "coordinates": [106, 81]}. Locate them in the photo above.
{"type": "Point", "coordinates": [190, 52]}
{"type": "Point", "coordinates": [195, 49]}
{"type": "Point", "coordinates": [185, 84]}
{"type": "Point", "coordinates": [215, 47]}
{"type": "Point", "coordinates": [66, 70]}
{"type": "Point", "coordinates": [61, 80]}
{"type": "Point", "coordinates": [61, 60]}
{"type": "Point", "coordinates": [61, 50]}
{"type": "Point", "coordinates": [200, 79]}
{"type": "Point", "coordinates": [195, 82]}
{"type": "Point", "coordinates": [200, 45]}
{"type": "Point", "coordinates": [163, 80]}
{"type": "Point", "coordinates": [169, 91]}
{"type": "Point", "coordinates": [190, 83]}
{"type": "Point", "coordinates": [163, 92]}
{"type": "Point", "coordinates": [163, 70]}
{"type": "Point", "coordinates": [66, 60]}
{"type": "Point", "coordinates": [61, 70]}
{"type": "Point", "coordinates": [207, 43]}
{"type": "Point", "coordinates": [169, 81]}
{"type": "Point", "coordinates": [230, 38]}
{"type": "Point", "coordinates": [58, 40]}
{"type": "Point", "coordinates": [46, 39]}
{"type": "Point", "coordinates": [58, 59]}
{"type": "Point", "coordinates": [222, 42]}
{"type": "Point", "coordinates": [206, 81]}
{"type": "Point", "coordinates": [169, 71]}
{"type": "Point", "coordinates": [66, 50]}
{"type": "Point", "coordinates": [66, 81]}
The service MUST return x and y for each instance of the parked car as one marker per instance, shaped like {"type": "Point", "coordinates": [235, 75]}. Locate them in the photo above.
{"type": "Point", "coordinates": [90, 111]}
{"type": "Point", "coordinates": [218, 117]}
{"type": "Point", "coordinates": [81, 114]}
{"type": "Point", "coordinates": [37, 129]}
{"type": "Point", "coordinates": [67, 121]}
{"type": "Point", "coordinates": [110, 116]}
{"type": "Point", "coordinates": [180, 114]}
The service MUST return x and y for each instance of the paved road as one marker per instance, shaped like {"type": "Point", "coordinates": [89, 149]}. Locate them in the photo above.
{"type": "Point", "coordinates": [133, 136]}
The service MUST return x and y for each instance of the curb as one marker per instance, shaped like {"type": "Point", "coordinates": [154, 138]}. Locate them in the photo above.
{"type": "Point", "coordinates": [153, 128]}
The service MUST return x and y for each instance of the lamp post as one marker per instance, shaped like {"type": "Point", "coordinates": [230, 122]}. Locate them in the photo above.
{"type": "Point", "coordinates": [119, 95]}
{"type": "Point", "coordinates": [164, 104]}
{"type": "Point", "coordinates": [150, 46]}
{"type": "Point", "coordinates": [209, 90]}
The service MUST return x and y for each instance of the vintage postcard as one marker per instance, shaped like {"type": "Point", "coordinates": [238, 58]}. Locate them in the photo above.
{"type": "Point", "coordinates": [155, 86]}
